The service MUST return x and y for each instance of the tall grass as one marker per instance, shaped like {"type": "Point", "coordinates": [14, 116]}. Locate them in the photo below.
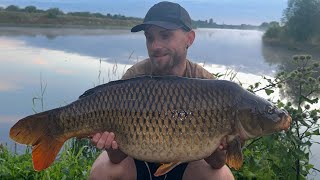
{"type": "Point", "coordinates": [73, 162]}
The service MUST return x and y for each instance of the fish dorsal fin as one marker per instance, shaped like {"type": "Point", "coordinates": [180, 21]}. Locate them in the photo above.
{"type": "Point", "coordinates": [165, 168]}
{"type": "Point", "coordinates": [111, 83]}
{"type": "Point", "coordinates": [234, 154]}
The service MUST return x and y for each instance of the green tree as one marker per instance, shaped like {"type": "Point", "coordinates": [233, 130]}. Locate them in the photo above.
{"type": "Point", "coordinates": [30, 9]}
{"type": "Point", "coordinates": [264, 25]}
{"type": "Point", "coordinates": [211, 21]}
{"type": "Point", "coordinates": [54, 12]}
{"type": "Point", "coordinates": [301, 19]}
{"type": "Point", "coordinates": [12, 8]}
{"type": "Point", "coordinates": [274, 30]}
{"type": "Point", "coordinates": [98, 15]}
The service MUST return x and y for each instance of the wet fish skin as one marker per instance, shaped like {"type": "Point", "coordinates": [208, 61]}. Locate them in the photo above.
{"type": "Point", "coordinates": [156, 119]}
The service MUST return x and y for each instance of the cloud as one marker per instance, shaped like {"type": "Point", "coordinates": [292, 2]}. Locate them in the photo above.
{"type": "Point", "coordinates": [40, 62]}
{"type": "Point", "coordinates": [8, 87]}
{"type": "Point", "coordinates": [9, 119]}
{"type": "Point", "coordinates": [63, 71]}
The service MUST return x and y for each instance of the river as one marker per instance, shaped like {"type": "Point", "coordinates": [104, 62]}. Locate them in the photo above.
{"type": "Point", "coordinates": [58, 65]}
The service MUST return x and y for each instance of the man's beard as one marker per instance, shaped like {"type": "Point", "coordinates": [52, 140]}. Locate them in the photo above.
{"type": "Point", "coordinates": [166, 69]}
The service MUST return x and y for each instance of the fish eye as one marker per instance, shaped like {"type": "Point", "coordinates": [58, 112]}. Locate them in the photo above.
{"type": "Point", "coordinates": [270, 109]}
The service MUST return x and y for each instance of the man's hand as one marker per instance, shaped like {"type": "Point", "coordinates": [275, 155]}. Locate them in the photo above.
{"type": "Point", "coordinates": [106, 141]}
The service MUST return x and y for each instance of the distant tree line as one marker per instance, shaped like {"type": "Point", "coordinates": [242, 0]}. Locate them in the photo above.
{"type": "Point", "coordinates": [211, 24]}
{"type": "Point", "coordinates": [55, 12]}
{"type": "Point", "coordinates": [274, 28]}
{"type": "Point", "coordinates": [300, 22]}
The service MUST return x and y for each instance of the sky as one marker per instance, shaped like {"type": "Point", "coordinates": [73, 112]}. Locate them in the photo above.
{"type": "Point", "coordinates": [235, 12]}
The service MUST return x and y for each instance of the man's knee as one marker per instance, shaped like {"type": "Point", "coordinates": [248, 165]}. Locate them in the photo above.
{"type": "Point", "coordinates": [224, 173]}
{"type": "Point", "coordinates": [202, 170]}
{"type": "Point", "coordinates": [104, 169]}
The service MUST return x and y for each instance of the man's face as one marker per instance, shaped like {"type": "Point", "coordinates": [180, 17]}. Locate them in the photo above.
{"type": "Point", "coordinates": [166, 48]}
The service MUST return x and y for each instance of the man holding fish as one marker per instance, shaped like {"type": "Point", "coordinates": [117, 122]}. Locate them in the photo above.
{"type": "Point", "coordinates": [168, 31]}
{"type": "Point", "coordinates": [166, 110]}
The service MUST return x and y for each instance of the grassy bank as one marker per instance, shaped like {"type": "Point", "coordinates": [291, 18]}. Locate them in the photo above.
{"type": "Point", "coordinates": [19, 19]}
{"type": "Point", "coordinates": [73, 162]}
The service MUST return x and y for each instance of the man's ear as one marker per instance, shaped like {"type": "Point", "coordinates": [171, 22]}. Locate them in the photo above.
{"type": "Point", "coordinates": [191, 36]}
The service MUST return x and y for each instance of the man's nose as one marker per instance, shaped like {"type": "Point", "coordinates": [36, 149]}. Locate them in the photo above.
{"type": "Point", "coordinates": [156, 44]}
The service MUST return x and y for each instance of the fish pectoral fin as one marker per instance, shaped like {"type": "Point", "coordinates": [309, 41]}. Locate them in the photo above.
{"type": "Point", "coordinates": [234, 154]}
{"type": "Point", "coordinates": [45, 152]}
{"type": "Point", "coordinates": [165, 168]}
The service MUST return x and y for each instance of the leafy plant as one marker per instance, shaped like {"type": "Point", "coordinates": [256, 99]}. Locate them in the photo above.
{"type": "Point", "coordinates": [286, 155]}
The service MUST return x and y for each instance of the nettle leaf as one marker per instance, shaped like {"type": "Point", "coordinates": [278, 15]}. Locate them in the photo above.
{"type": "Point", "coordinates": [308, 134]}
{"type": "Point", "coordinates": [309, 166]}
{"type": "Point", "coordinates": [268, 79]}
{"type": "Point", "coordinates": [280, 104]}
{"type": "Point", "coordinates": [316, 132]}
{"type": "Point", "coordinates": [269, 91]}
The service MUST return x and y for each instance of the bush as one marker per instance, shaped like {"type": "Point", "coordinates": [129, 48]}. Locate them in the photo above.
{"type": "Point", "coordinates": [286, 155]}
{"type": "Point", "coordinates": [53, 12]}
{"type": "Point", "coordinates": [30, 9]}
{"type": "Point", "coordinates": [12, 8]}
{"type": "Point", "coordinates": [273, 32]}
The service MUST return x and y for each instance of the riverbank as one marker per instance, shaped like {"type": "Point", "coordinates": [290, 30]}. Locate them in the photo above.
{"type": "Point", "coordinates": [23, 19]}
{"type": "Point", "coordinates": [60, 31]}
{"type": "Point", "coordinates": [311, 48]}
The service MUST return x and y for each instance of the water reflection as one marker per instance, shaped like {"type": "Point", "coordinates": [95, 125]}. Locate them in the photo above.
{"type": "Point", "coordinates": [109, 45]}
{"type": "Point", "coordinates": [240, 49]}
{"type": "Point", "coordinates": [66, 76]}
{"type": "Point", "coordinates": [275, 53]}
{"type": "Point", "coordinates": [234, 48]}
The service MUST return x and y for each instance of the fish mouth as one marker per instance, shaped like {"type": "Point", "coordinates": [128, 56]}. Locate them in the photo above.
{"type": "Point", "coordinates": [285, 125]}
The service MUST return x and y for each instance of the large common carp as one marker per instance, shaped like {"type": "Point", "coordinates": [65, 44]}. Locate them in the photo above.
{"type": "Point", "coordinates": [157, 119]}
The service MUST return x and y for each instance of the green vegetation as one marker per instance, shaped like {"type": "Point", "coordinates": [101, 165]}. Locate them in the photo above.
{"type": "Point", "coordinates": [54, 17]}
{"type": "Point", "coordinates": [212, 24]}
{"type": "Point", "coordinates": [286, 155]}
{"type": "Point", "coordinates": [74, 162]}
{"type": "Point", "coordinates": [300, 23]}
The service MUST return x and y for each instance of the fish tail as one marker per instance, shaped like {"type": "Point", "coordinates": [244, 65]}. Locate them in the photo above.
{"type": "Point", "coordinates": [34, 130]}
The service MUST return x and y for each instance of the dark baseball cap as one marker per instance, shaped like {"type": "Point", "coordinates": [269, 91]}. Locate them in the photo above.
{"type": "Point", "coordinates": [167, 15]}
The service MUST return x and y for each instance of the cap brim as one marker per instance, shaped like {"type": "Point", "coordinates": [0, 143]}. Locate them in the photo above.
{"type": "Point", "coordinates": [166, 25]}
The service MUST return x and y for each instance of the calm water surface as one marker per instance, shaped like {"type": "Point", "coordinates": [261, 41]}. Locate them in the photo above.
{"type": "Point", "coordinates": [66, 62]}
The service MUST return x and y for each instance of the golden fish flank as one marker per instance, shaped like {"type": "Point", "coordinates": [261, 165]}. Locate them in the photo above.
{"type": "Point", "coordinates": [157, 119]}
